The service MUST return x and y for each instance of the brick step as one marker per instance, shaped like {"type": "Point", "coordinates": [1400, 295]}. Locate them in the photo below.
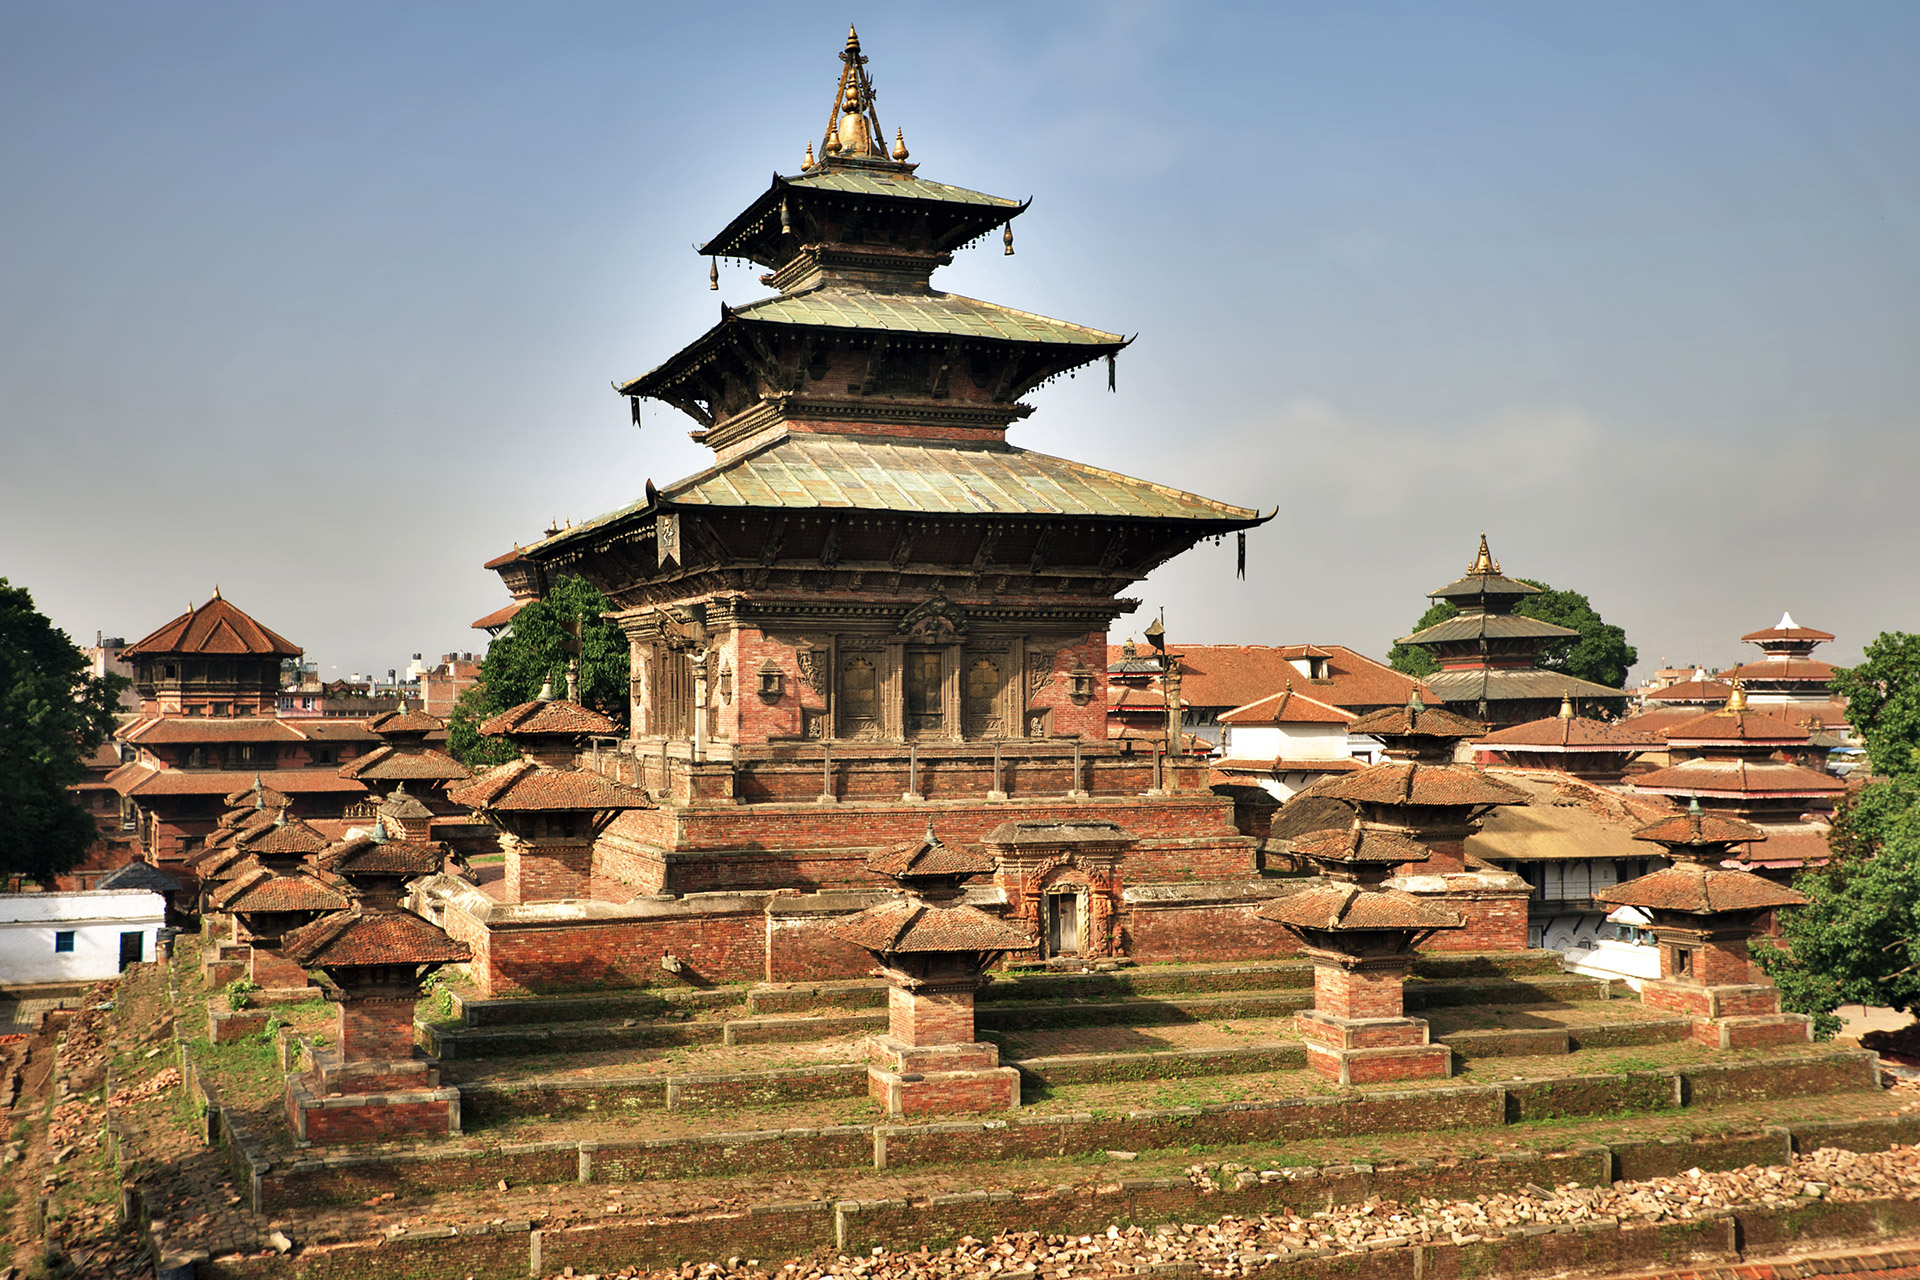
{"type": "Point", "coordinates": [996, 1015]}
{"type": "Point", "coordinates": [643, 1002]}
{"type": "Point", "coordinates": [1295, 1124]}
{"type": "Point", "coordinates": [1522, 1042]}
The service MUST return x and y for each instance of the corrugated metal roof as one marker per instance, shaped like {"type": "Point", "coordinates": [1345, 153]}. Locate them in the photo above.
{"type": "Point", "coordinates": [877, 475]}
{"type": "Point", "coordinates": [897, 187]}
{"type": "Point", "coordinates": [1497, 626]}
{"type": "Point", "coordinates": [947, 314]}
{"type": "Point", "coordinates": [1498, 686]}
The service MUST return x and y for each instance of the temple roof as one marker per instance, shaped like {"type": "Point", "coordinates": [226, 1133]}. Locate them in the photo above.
{"type": "Point", "coordinates": [1727, 725]}
{"type": "Point", "coordinates": [1809, 669]}
{"type": "Point", "coordinates": [139, 875]}
{"type": "Point", "coordinates": [907, 926]}
{"type": "Point", "coordinates": [388, 764]}
{"type": "Point", "coordinates": [1506, 684]}
{"type": "Point", "coordinates": [263, 890]}
{"type": "Point", "coordinates": [1419, 784]}
{"type": "Point", "coordinates": [1349, 908]}
{"type": "Point", "coordinates": [362, 855]}
{"type": "Point", "coordinates": [499, 617]}
{"type": "Point", "coordinates": [1563, 734]}
{"type": "Point", "coordinates": [928, 858]}
{"type": "Point", "coordinates": [1484, 580]}
{"type": "Point", "coordinates": [1732, 778]}
{"type": "Point", "coordinates": [1788, 630]}
{"type": "Point", "coordinates": [554, 716]}
{"type": "Point", "coordinates": [524, 786]}
{"type": "Point", "coordinates": [287, 839]}
{"type": "Point", "coordinates": [406, 722]}
{"type": "Point", "coordinates": [363, 938]}
{"type": "Point", "coordinates": [1703, 691]}
{"type": "Point", "coordinates": [182, 730]}
{"type": "Point", "coordinates": [1356, 844]}
{"type": "Point", "coordinates": [143, 779]}
{"type": "Point", "coordinates": [217, 628]}
{"type": "Point", "coordinates": [1697, 828]}
{"type": "Point", "coordinates": [1492, 626]}
{"type": "Point", "coordinates": [1693, 889]}
{"type": "Point", "coordinates": [1417, 720]}
{"type": "Point", "coordinates": [811, 472]}
{"type": "Point", "coordinates": [402, 805]}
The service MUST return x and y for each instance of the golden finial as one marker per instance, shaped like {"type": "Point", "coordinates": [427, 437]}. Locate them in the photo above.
{"type": "Point", "coordinates": [899, 147]}
{"type": "Point", "coordinates": [853, 39]}
{"type": "Point", "coordinates": [1737, 696]}
{"type": "Point", "coordinates": [1483, 563]}
{"type": "Point", "coordinates": [807, 161]}
{"type": "Point", "coordinates": [1566, 706]}
{"type": "Point", "coordinates": [1006, 238]}
{"type": "Point", "coordinates": [713, 273]}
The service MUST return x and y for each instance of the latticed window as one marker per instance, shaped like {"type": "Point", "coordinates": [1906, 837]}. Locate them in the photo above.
{"type": "Point", "coordinates": [925, 675]}
{"type": "Point", "coordinates": [859, 698]}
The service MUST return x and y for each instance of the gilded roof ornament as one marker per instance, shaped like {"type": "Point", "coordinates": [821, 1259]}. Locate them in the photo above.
{"type": "Point", "coordinates": [807, 161]}
{"type": "Point", "coordinates": [853, 125]}
{"type": "Point", "coordinates": [1737, 696]}
{"type": "Point", "coordinates": [899, 147]}
{"type": "Point", "coordinates": [1484, 562]}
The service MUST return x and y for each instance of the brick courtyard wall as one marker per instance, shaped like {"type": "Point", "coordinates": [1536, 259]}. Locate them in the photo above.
{"type": "Point", "coordinates": [1171, 931]}
{"type": "Point", "coordinates": [588, 953]}
{"type": "Point", "coordinates": [1495, 921]}
{"type": "Point", "coordinates": [549, 871]}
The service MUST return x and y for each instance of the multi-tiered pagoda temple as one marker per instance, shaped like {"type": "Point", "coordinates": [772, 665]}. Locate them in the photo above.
{"type": "Point", "coordinates": [872, 597]}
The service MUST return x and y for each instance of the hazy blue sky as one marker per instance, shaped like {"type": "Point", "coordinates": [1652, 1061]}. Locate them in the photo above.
{"type": "Point", "coordinates": [321, 302]}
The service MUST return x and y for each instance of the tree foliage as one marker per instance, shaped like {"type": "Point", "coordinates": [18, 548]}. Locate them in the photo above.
{"type": "Point", "coordinates": [1600, 653]}
{"type": "Point", "coordinates": [534, 651]}
{"type": "Point", "coordinates": [53, 715]}
{"type": "Point", "coordinates": [1883, 702]}
{"type": "Point", "coordinates": [1857, 940]}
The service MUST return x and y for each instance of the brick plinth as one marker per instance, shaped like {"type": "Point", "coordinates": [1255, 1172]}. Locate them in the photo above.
{"type": "Point", "coordinates": [1374, 1066]}
{"type": "Point", "coordinates": [893, 1055]}
{"type": "Point", "coordinates": [1748, 1000]}
{"type": "Point", "coordinates": [333, 1077]}
{"type": "Point", "coordinates": [944, 1092]}
{"type": "Point", "coordinates": [370, 1117]}
{"type": "Point", "coordinates": [1753, 1032]}
{"type": "Point", "coordinates": [549, 871]}
{"type": "Point", "coordinates": [937, 1017]}
{"type": "Point", "coordinates": [1360, 1033]}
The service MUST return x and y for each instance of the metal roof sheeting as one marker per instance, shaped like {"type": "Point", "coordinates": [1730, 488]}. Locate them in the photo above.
{"type": "Point", "coordinates": [947, 314]}
{"type": "Point", "coordinates": [896, 187]}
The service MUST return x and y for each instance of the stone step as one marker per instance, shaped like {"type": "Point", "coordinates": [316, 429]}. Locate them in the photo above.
{"type": "Point", "coordinates": [643, 1002]}
{"type": "Point", "coordinates": [1541, 989]}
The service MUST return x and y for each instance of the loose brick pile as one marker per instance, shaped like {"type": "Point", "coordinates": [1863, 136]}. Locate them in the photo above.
{"type": "Point", "coordinates": [1233, 1246]}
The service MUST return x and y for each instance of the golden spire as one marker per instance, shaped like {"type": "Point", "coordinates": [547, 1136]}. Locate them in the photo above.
{"type": "Point", "coordinates": [1566, 706]}
{"type": "Point", "coordinates": [1737, 697]}
{"type": "Point", "coordinates": [899, 147]}
{"type": "Point", "coordinates": [807, 161]}
{"type": "Point", "coordinates": [1484, 562]}
{"type": "Point", "coordinates": [853, 125]}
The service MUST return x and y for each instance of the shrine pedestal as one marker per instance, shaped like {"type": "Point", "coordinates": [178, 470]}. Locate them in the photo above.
{"type": "Point", "coordinates": [910, 1080]}
{"type": "Point", "coordinates": [1357, 1031]}
{"type": "Point", "coordinates": [1729, 1016]}
{"type": "Point", "coordinates": [369, 1084]}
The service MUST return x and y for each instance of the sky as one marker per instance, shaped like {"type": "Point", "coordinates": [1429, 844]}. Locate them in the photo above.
{"type": "Point", "coordinates": [322, 303]}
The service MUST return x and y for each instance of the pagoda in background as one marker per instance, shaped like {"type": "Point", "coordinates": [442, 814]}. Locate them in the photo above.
{"type": "Point", "coordinates": [1489, 655]}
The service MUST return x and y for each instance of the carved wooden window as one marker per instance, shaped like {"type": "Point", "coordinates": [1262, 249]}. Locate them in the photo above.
{"type": "Point", "coordinates": [926, 673]}
{"type": "Point", "coordinates": [980, 694]}
{"type": "Point", "coordinates": [859, 698]}
{"type": "Point", "coordinates": [673, 695]}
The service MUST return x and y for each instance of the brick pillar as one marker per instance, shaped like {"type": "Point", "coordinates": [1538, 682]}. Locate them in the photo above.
{"type": "Point", "coordinates": [1367, 993]}
{"type": "Point", "coordinates": [269, 968]}
{"type": "Point", "coordinates": [919, 1018]}
{"type": "Point", "coordinates": [375, 1028]}
{"type": "Point", "coordinates": [542, 871]}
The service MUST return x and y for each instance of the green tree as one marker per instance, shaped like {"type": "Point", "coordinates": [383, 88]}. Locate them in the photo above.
{"type": "Point", "coordinates": [1857, 940]}
{"type": "Point", "coordinates": [1599, 653]}
{"type": "Point", "coordinates": [53, 715]}
{"type": "Point", "coordinates": [534, 651]}
{"type": "Point", "coordinates": [1883, 702]}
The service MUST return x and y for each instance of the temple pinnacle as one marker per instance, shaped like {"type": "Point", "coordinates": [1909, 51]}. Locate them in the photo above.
{"type": "Point", "coordinates": [1483, 562]}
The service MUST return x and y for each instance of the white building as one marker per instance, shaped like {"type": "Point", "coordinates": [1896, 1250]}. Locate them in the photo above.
{"type": "Point", "coordinates": [83, 936]}
{"type": "Point", "coordinates": [1626, 949]}
{"type": "Point", "coordinates": [1288, 741]}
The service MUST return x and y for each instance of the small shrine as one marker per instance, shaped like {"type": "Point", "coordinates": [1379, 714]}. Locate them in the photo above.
{"type": "Point", "coordinates": [548, 730]}
{"type": "Point", "coordinates": [548, 820]}
{"type": "Point", "coordinates": [1596, 751]}
{"type": "Point", "coordinates": [1062, 884]}
{"type": "Point", "coordinates": [368, 1083]}
{"type": "Point", "coordinates": [1704, 914]}
{"type": "Point", "coordinates": [1361, 937]}
{"type": "Point", "coordinates": [268, 893]}
{"type": "Point", "coordinates": [933, 950]}
{"type": "Point", "coordinates": [1420, 793]}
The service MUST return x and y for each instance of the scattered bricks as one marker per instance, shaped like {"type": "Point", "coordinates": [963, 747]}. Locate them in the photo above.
{"type": "Point", "coordinates": [1592, 1095]}
{"type": "Point", "coordinates": [1637, 1161]}
{"type": "Point", "coordinates": [1508, 1044]}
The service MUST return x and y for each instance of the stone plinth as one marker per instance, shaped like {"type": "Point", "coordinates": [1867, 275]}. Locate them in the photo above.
{"type": "Point", "coordinates": [1357, 1031]}
{"type": "Point", "coordinates": [1730, 1015]}
{"type": "Point", "coordinates": [907, 1079]}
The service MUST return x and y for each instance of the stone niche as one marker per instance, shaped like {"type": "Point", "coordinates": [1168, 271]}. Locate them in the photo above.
{"type": "Point", "coordinates": [1062, 883]}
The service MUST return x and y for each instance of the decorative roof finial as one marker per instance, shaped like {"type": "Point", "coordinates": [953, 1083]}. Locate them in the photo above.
{"type": "Point", "coordinates": [280, 818]}
{"type": "Point", "coordinates": [546, 691]}
{"type": "Point", "coordinates": [216, 591]}
{"type": "Point", "coordinates": [931, 838]}
{"type": "Point", "coordinates": [1483, 562]}
{"type": "Point", "coordinates": [1006, 239]}
{"type": "Point", "coordinates": [853, 126]}
{"type": "Point", "coordinates": [379, 832]}
{"type": "Point", "coordinates": [1415, 703]}
{"type": "Point", "coordinates": [899, 147]}
{"type": "Point", "coordinates": [1693, 814]}
{"type": "Point", "coordinates": [1566, 706]}
{"type": "Point", "coordinates": [807, 161]}
{"type": "Point", "coordinates": [259, 793]}
{"type": "Point", "coordinates": [1786, 622]}
{"type": "Point", "coordinates": [1737, 696]}
{"type": "Point", "coordinates": [713, 282]}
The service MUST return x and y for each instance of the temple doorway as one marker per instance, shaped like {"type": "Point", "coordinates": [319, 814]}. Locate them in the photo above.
{"type": "Point", "coordinates": [1063, 923]}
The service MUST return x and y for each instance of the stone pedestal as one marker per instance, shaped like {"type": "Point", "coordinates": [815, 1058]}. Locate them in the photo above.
{"type": "Point", "coordinates": [369, 1085]}
{"type": "Point", "coordinates": [939, 1079]}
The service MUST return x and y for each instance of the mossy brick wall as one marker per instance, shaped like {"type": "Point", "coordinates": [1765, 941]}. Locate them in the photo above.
{"type": "Point", "coordinates": [1762, 1232]}
{"type": "Point", "coordinates": [1636, 1161]}
{"type": "Point", "coordinates": [491, 1104]}
{"type": "Point", "coordinates": [1626, 1034]}
{"type": "Point", "coordinates": [1530, 1042]}
{"type": "Point", "coordinates": [1590, 1095]}
{"type": "Point", "coordinates": [803, 948]}
{"type": "Point", "coordinates": [505, 1042]}
{"type": "Point", "coordinates": [351, 1179]}
{"type": "Point", "coordinates": [1781, 1078]}
{"type": "Point", "coordinates": [1493, 922]}
{"type": "Point", "coordinates": [773, 1232]}
{"type": "Point", "coordinates": [1168, 1065]}
{"type": "Point", "coordinates": [331, 1124]}
{"type": "Point", "coordinates": [1204, 931]}
{"type": "Point", "coordinates": [1873, 1134]}
{"type": "Point", "coordinates": [765, 1088]}
{"type": "Point", "coordinates": [836, 1147]}
{"type": "Point", "coordinates": [498, 1254]}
